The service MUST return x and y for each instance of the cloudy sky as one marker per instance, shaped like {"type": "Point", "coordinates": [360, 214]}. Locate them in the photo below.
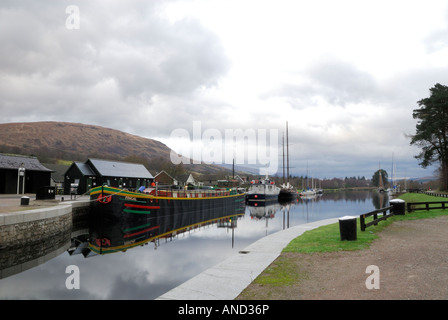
{"type": "Point", "coordinates": [345, 74]}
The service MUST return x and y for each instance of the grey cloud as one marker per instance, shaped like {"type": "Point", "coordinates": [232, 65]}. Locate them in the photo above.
{"type": "Point", "coordinates": [336, 81]}
{"type": "Point", "coordinates": [437, 40]}
{"type": "Point", "coordinates": [340, 82]}
{"type": "Point", "coordinates": [168, 58]}
{"type": "Point", "coordinates": [124, 55]}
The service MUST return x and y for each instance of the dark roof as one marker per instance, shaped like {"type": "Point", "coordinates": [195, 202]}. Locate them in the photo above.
{"type": "Point", "coordinates": [120, 169]}
{"type": "Point", "coordinates": [59, 170]}
{"type": "Point", "coordinates": [84, 168]}
{"type": "Point", "coordinates": [15, 162]}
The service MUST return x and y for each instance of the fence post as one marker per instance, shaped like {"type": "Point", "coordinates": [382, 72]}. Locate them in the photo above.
{"type": "Point", "coordinates": [362, 222]}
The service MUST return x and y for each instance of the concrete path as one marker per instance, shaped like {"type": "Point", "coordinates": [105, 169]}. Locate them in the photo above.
{"type": "Point", "coordinates": [228, 279]}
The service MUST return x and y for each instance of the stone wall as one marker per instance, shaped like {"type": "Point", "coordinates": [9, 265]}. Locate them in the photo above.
{"type": "Point", "coordinates": [31, 237]}
{"type": "Point", "coordinates": [27, 226]}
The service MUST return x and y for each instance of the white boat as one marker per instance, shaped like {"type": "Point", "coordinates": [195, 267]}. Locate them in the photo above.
{"type": "Point", "coordinates": [263, 190]}
{"type": "Point", "coordinates": [308, 193]}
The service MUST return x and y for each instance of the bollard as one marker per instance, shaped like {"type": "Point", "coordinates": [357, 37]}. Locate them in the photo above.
{"type": "Point", "coordinates": [398, 206]}
{"type": "Point", "coordinates": [24, 201]}
{"type": "Point", "coordinates": [347, 228]}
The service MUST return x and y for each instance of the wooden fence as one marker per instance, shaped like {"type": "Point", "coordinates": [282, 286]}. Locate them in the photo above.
{"type": "Point", "coordinates": [435, 194]}
{"type": "Point", "coordinates": [427, 205]}
{"type": "Point", "coordinates": [362, 217]}
{"type": "Point", "coordinates": [410, 206]}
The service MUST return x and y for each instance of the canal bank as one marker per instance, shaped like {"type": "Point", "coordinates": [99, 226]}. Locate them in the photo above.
{"type": "Point", "coordinates": [21, 226]}
{"type": "Point", "coordinates": [228, 279]}
{"type": "Point", "coordinates": [407, 262]}
{"type": "Point", "coordinates": [30, 237]}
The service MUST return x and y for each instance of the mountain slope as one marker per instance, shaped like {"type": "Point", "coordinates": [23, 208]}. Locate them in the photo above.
{"type": "Point", "coordinates": [76, 141]}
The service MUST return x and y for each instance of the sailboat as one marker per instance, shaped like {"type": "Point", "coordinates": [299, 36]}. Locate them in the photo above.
{"type": "Point", "coordinates": [394, 188]}
{"type": "Point", "coordinates": [308, 192]}
{"type": "Point", "coordinates": [287, 191]}
{"type": "Point", "coordinates": [380, 184]}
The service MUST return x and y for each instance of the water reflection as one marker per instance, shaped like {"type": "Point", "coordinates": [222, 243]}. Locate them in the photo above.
{"type": "Point", "coordinates": [118, 235]}
{"type": "Point", "coordinates": [136, 270]}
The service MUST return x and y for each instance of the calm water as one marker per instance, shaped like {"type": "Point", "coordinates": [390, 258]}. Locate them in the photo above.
{"type": "Point", "coordinates": [148, 271]}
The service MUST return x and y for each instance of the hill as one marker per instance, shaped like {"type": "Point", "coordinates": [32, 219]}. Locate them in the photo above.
{"type": "Point", "coordinates": [51, 141]}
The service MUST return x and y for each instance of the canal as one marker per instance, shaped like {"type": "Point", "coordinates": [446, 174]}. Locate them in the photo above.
{"type": "Point", "coordinates": [148, 271]}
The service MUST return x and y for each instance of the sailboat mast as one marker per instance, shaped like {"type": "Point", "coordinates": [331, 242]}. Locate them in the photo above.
{"type": "Point", "coordinates": [380, 176]}
{"type": "Point", "coordinates": [283, 144]}
{"type": "Point", "coordinates": [287, 152]}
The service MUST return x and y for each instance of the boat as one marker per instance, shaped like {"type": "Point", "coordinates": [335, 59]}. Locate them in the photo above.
{"type": "Point", "coordinates": [306, 193]}
{"type": "Point", "coordinates": [287, 191]}
{"type": "Point", "coordinates": [380, 183]}
{"type": "Point", "coordinates": [263, 190]}
{"type": "Point", "coordinates": [118, 204]}
{"type": "Point", "coordinates": [122, 219]}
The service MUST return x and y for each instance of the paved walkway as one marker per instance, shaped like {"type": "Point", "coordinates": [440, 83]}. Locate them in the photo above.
{"type": "Point", "coordinates": [10, 203]}
{"type": "Point", "coordinates": [228, 279]}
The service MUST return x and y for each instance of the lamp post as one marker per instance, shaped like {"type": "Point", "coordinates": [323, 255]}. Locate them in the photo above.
{"type": "Point", "coordinates": [21, 173]}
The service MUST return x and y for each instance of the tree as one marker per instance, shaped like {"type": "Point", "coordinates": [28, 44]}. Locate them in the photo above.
{"type": "Point", "coordinates": [432, 131]}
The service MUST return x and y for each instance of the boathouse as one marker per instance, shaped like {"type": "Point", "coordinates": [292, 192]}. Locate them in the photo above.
{"type": "Point", "coordinates": [96, 172]}
{"type": "Point", "coordinates": [22, 174]}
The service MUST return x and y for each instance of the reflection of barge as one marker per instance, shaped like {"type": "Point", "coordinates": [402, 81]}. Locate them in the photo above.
{"type": "Point", "coordinates": [127, 219]}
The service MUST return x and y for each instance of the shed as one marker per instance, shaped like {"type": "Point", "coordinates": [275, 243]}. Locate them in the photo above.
{"type": "Point", "coordinates": [35, 175]}
{"type": "Point", "coordinates": [80, 174]}
{"type": "Point", "coordinates": [96, 172]}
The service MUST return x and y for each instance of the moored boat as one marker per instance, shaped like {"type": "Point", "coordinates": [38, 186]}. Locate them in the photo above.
{"type": "Point", "coordinates": [115, 203]}
{"type": "Point", "coordinates": [287, 192]}
{"type": "Point", "coordinates": [145, 217]}
{"type": "Point", "coordinates": [263, 190]}
{"type": "Point", "coordinates": [308, 193]}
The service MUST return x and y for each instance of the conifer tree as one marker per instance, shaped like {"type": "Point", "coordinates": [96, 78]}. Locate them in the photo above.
{"type": "Point", "coordinates": [432, 131]}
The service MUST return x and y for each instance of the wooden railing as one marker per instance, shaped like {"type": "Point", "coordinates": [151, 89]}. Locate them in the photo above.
{"type": "Point", "coordinates": [362, 217]}
{"type": "Point", "coordinates": [427, 205]}
{"type": "Point", "coordinates": [399, 210]}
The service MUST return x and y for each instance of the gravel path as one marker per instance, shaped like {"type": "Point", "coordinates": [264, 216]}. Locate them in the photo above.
{"type": "Point", "coordinates": [412, 261]}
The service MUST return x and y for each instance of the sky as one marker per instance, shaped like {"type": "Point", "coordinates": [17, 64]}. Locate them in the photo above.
{"type": "Point", "coordinates": [198, 75]}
